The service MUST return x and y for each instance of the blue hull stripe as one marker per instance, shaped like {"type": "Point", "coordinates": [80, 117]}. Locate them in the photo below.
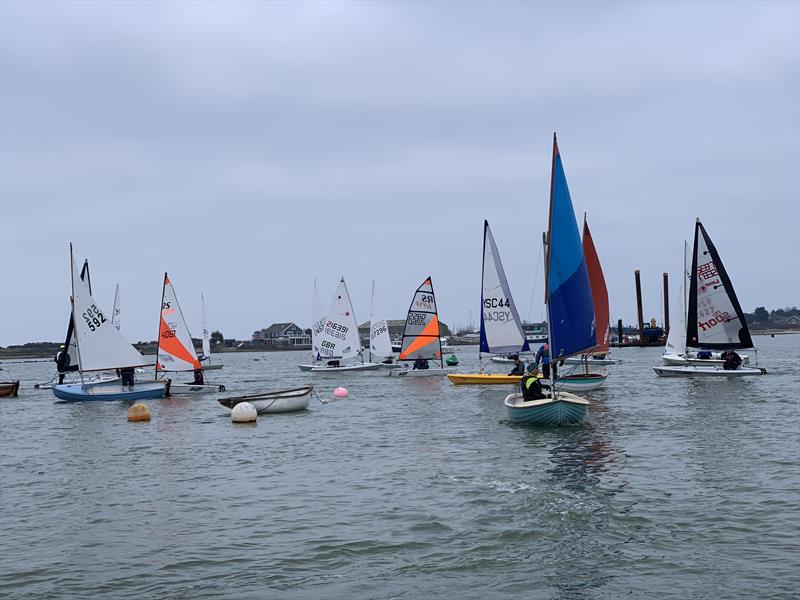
{"type": "Point", "coordinates": [76, 393]}
{"type": "Point", "coordinates": [559, 412]}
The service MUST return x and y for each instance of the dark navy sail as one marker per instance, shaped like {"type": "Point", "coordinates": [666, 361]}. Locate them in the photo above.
{"type": "Point", "coordinates": [569, 294]}
{"type": "Point", "coordinates": [69, 342]}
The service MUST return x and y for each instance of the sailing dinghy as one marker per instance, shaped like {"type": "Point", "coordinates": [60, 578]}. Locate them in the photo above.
{"type": "Point", "coordinates": [338, 339]}
{"type": "Point", "coordinates": [501, 328]}
{"type": "Point", "coordinates": [175, 350]}
{"type": "Point", "coordinates": [421, 339]}
{"type": "Point", "coordinates": [570, 310]}
{"type": "Point", "coordinates": [101, 347]}
{"type": "Point", "coordinates": [318, 320]}
{"type": "Point", "coordinates": [280, 401]}
{"type": "Point", "coordinates": [205, 359]}
{"type": "Point", "coordinates": [714, 317]}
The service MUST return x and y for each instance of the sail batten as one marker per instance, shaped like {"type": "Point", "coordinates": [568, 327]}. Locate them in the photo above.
{"type": "Point", "coordinates": [714, 318]}
{"type": "Point", "coordinates": [175, 347]}
{"type": "Point", "coordinates": [421, 337]}
{"type": "Point", "coordinates": [501, 328]}
{"type": "Point", "coordinates": [570, 308]}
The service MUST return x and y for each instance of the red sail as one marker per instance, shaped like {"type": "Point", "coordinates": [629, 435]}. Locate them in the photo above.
{"type": "Point", "coordinates": [599, 291]}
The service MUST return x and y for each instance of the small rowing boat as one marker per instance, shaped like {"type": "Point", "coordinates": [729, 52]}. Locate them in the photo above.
{"type": "Point", "coordinates": [279, 401]}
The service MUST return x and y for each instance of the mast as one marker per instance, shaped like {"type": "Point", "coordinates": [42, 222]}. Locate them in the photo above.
{"type": "Point", "coordinates": [158, 335]}
{"type": "Point", "coordinates": [371, 316]}
{"type": "Point", "coordinates": [546, 241]}
{"type": "Point", "coordinates": [353, 315]}
{"type": "Point", "coordinates": [685, 291]}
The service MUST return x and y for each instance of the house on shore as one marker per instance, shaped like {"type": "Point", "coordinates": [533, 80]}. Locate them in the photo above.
{"type": "Point", "coordinates": [283, 335]}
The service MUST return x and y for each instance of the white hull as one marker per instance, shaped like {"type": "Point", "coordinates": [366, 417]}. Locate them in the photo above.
{"type": "Point", "coordinates": [705, 371]}
{"type": "Point", "coordinates": [393, 366]}
{"type": "Point", "coordinates": [306, 367]}
{"type": "Point", "coordinates": [433, 372]}
{"type": "Point", "coordinates": [679, 360]}
{"type": "Point", "coordinates": [273, 402]}
{"type": "Point", "coordinates": [358, 367]}
{"type": "Point", "coordinates": [215, 367]}
{"type": "Point", "coordinates": [193, 388]}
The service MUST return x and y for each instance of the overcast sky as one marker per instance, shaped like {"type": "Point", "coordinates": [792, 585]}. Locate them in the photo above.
{"type": "Point", "coordinates": [248, 148]}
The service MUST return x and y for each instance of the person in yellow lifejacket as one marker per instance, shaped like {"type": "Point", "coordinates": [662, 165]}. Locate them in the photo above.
{"type": "Point", "coordinates": [531, 387]}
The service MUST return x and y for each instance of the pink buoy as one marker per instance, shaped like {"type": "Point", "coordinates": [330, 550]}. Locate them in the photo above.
{"type": "Point", "coordinates": [340, 392]}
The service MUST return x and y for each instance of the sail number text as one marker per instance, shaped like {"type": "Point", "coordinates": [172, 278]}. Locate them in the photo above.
{"type": "Point", "coordinates": [496, 315]}
{"type": "Point", "coordinates": [93, 317]}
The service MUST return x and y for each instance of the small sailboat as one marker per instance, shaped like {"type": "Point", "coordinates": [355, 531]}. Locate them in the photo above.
{"type": "Point", "coordinates": [175, 351]}
{"type": "Point", "coordinates": [714, 317]}
{"type": "Point", "coordinates": [570, 310]}
{"type": "Point", "coordinates": [380, 345]}
{"type": "Point", "coordinates": [586, 379]}
{"type": "Point", "coordinates": [338, 338]}
{"type": "Point", "coordinates": [101, 347]}
{"type": "Point", "coordinates": [279, 401]}
{"type": "Point", "coordinates": [205, 359]}
{"type": "Point", "coordinates": [421, 338]}
{"type": "Point", "coordinates": [501, 328]}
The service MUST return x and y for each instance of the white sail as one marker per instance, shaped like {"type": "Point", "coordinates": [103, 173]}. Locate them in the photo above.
{"type": "Point", "coordinates": [380, 344]}
{"type": "Point", "coordinates": [676, 338]}
{"type": "Point", "coordinates": [100, 345]}
{"type": "Point", "coordinates": [206, 336]}
{"type": "Point", "coordinates": [115, 313]}
{"type": "Point", "coordinates": [339, 336]}
{"type": "Point", "coordinates": [175, 347]}
{"type": "Point", "coordinates": [318, 326]}
{"type": "Point", "coordinates": [501, 327]}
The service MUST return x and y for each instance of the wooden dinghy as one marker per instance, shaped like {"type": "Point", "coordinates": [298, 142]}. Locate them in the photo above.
{"type": "Point", "coordinates": [9, 388]}
{"type": "Point", "coordinates": [278, 401]}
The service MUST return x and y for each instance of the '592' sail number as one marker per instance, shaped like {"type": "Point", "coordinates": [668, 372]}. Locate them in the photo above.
{"type": "Point", "coordinates": [93, 317]}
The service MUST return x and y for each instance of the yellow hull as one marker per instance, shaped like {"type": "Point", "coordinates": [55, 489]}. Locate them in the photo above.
{"type": "Point", "coordinates": [483, 378]}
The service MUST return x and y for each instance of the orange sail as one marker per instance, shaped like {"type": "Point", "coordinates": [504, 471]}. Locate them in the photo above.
{"type": "Point", "coordinates": [599, 291]}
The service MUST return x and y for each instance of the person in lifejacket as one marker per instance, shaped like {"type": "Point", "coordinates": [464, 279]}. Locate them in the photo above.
{"type": "Point", "coordinates": [519, 366]}
{"type": "Point", "coordinates": [62, 362]}
{"type": "Point", "coordinates": [198, 377]}
{"type": "Point", "coordinates": [731, 360]}
{"type": "Point", "coordinates": [531, 387]}
{"type": "Point", "coordinates": [420, 364]}
{"type": "Point", "coordinates": [543, 355]}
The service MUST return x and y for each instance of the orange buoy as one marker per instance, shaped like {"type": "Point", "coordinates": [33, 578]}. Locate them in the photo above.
{"type": "Point", "coordinates": [139, 412]}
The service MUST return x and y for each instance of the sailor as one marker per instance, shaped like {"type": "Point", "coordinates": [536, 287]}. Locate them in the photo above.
{"type": "Point", "coordinates": [127, 377]}
{"type": "Point", "coordinates": [732, 360]}
{"type": "Point", "coordinates": [531, 387]}
{"type": "Point", "coordinates": [198, 377]}
{"type": "Point", "coordinates": [543, 355]}
{"type": "Point", "coordinates": [421, 364]}
{"type": "Point", "coordinates": [62, 362]}
{"type": "Point", "coordinates": [519, 366]}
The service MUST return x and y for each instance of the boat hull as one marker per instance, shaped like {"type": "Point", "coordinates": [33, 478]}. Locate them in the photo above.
{"type": "Point", "coordinates": [581, 383]}
{"type": "Point", "coordinates": [77, 392]}
{"type": "Point", "coordinates": [573, 360]}
{"type": "Point", "coordinates": [566, 409]}
{"type": "Point", "coordinates": [433, 372]}
{"type": "Point", "coordinates": [9, 389]}
{"type": "Point", "coordinates": [680, 360]}
{"type": "Point", "coordinates": [193, 388]}
{"type": "Point", "coordinates": [211, 367]}
{"type": "Point", "coordinates": [281, 401]}
{"type": "Point", "coordinates": [358, 367]}
{"type": "Point", "coordinates": [706, 371]}
{"type": "Point", "coordinates": [483, 378]}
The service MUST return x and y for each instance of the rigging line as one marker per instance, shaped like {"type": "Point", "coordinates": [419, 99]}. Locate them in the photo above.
{"type": "Point", "coordinates": [533, 288]}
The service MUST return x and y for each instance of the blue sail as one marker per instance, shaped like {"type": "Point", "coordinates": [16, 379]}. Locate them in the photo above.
{"type": "Point", "coordinates": [569, 294]}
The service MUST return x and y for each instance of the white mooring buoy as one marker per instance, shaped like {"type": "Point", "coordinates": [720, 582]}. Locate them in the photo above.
{"type": "Point", "coordinates": [244, 412]}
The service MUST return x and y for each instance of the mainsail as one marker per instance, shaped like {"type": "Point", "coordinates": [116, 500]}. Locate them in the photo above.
{"type": "Point", "coordinates": [100, 345]}
{"type": "Point", "coordinates": [599, 291]}
{"type": "Point", "coordinates": [714, 318]}
{"type": "Point", "coordinates": [175, 348]}
{"type": "Point", "coordinates": [115, 313]}
{"type": "Point", "coordinates": [318, 326]}
{"type": "Point", "coordinates": [421, 334]}
{"type": "Point", "coordinates": [339, 336]}
{"type": "Point", "coordinates": [380, 344]}
{"type": "Point", "coordinates": [501, 327]}
{"type": "Point", "coordinates": [676, 338]}
{"type": "Point", "coordinates": [569, 294]}
{"type": "Point", "coordinates": [206, 336]}
{"type": "Point", "coordinates": [70, 343]}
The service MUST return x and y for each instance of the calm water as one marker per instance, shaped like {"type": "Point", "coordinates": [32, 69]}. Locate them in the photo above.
{"type": "Point", "coordinates": [408, 489]}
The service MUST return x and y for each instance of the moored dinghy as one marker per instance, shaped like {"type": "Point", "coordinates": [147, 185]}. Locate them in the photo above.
{"type": "Point", "coordinates": [9, 388]}
{"type": "Point", "coordinates": [501, 327]}
{"type": "Point", "coordinates": [101, 347]}
{"type": "Point", "coordinates": [421, 337]}
{"type": "Point", "coordinates": [279, 401]}
{"type": "Point", "coordinates": [570, 311]}
{"type": "Point", "coordinates": [205, 359]}
{"type": "Point", "coordinates": [380, 345]}
{"type": "Point", "coordinates": [175, 351]}
{"type": "Point", "coordinates": [714, 317]}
